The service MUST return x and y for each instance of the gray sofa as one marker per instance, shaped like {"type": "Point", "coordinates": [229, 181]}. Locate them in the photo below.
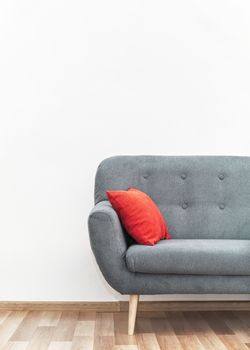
{"type": "Point", "coordinates": [206, 203]}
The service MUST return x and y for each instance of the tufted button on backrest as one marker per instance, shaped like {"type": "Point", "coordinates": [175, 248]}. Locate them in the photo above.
{"type": "Point", "coordinates": [184, 205]}
{"type": "Point", "coordinates": [183, 176]}
{"type": "Point", "coordinates": [222, 206]}
{"type": "Point", "coordinates": [221, 176]}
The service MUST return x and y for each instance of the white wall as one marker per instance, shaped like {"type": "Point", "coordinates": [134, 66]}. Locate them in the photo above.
{"type": "Point", "coordinates": [83, 80]}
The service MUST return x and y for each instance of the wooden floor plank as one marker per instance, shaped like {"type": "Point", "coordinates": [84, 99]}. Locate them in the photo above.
{"type": "Point", "coordinates": [104, 324]}
{"type": "Point", "coordinates": [171, 330]}
{"type": "Point", "coordinates": [151, 314]}
{"type": "Point", "coordinates": [147, 342]}
{"type": "Point", "coordinates": [104, 342]}
{"type": "Point", "coordinates": [19, 345]}
{"type": "Point", "coordinates": [216, 323]}
{"type": "Point", "coordinates": [160, 325]}
{"type": "Point", "coordinates": [65, 329]}
{"type": "Point", "coordinates": [104, 331]}
{"type": "Point", "coordinates": [28, 326]}
{"type": "Point", "coordinates": [60, 345]}
{"type": "Point", "coordinates": [84, 328]}
{"type": "Point", "coordinates": [121, 329]}
{"type": "Point", "coordinates": [125, 347]}
{"type": "Point", "coordinates": [190, 341]}
{"type": "Point", "coordinates": [41, 338]}
{"type": "Point", "coordinates": [244, 316]}
{"type": "Point", "coordinates": [233, 342]}
{"type": "Point", "coordinates": [50, 318]}
{"type": "Point", "coordinates": [197, 324]}
{"type": "Point", "coordinates": [168, 340]}
{"type": "Point", "coordinates": [143, 325]}
{"type": "Point", "coordinates": [10, 325]}
{"type": "Point", "coordinates": [87, 316]}
{"type": "Point", "coordinates": [3, 315]}
{"type": "Point", "coordinates": [179, 323]}
{"type": "Point", "coordinates": [165, 334]}
{"type": "Point", "coordinates": [211, 341]}
{"type": "Point", "coordinates": [82, 343]}
{"type": "Point", "coordinates": [237, 326]}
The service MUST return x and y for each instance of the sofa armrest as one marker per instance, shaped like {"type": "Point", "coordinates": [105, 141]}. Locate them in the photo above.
{"type": "Point", "coordinates": [108, 243]}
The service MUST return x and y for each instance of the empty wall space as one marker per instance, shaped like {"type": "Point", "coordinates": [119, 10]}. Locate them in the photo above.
{"type": "Point", "coordinates": [84, 80]}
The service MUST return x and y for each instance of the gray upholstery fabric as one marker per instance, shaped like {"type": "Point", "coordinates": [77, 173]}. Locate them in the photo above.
{"type": "Point", "coordinates": [108, 242]}
{"type": "Point", "coordinates": [200, 197]}
{"type": "Point", "coordinates": [192, 257]}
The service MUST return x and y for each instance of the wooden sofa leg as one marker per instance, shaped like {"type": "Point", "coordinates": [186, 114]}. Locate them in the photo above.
{"type": "Point", "coordinates": [133, 303]}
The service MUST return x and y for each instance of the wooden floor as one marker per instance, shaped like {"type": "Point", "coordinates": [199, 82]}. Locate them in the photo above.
{"type": "Point", "coordinates": [55, 330]}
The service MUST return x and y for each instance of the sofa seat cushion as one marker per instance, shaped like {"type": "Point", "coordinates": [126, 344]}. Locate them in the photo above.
{"type": "Point", "coordinates": [191, 257]}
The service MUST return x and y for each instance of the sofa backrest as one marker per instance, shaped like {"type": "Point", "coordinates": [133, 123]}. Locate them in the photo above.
{"type": "Point", "coordinates": [199, 196]}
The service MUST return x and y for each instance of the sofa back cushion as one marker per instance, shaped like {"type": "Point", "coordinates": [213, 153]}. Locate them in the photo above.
{"type": "Point", "coordinates": [199, 196]}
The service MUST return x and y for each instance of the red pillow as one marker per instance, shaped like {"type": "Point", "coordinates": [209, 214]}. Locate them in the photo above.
{"type": "Point", "coordinates": [139, 215]}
